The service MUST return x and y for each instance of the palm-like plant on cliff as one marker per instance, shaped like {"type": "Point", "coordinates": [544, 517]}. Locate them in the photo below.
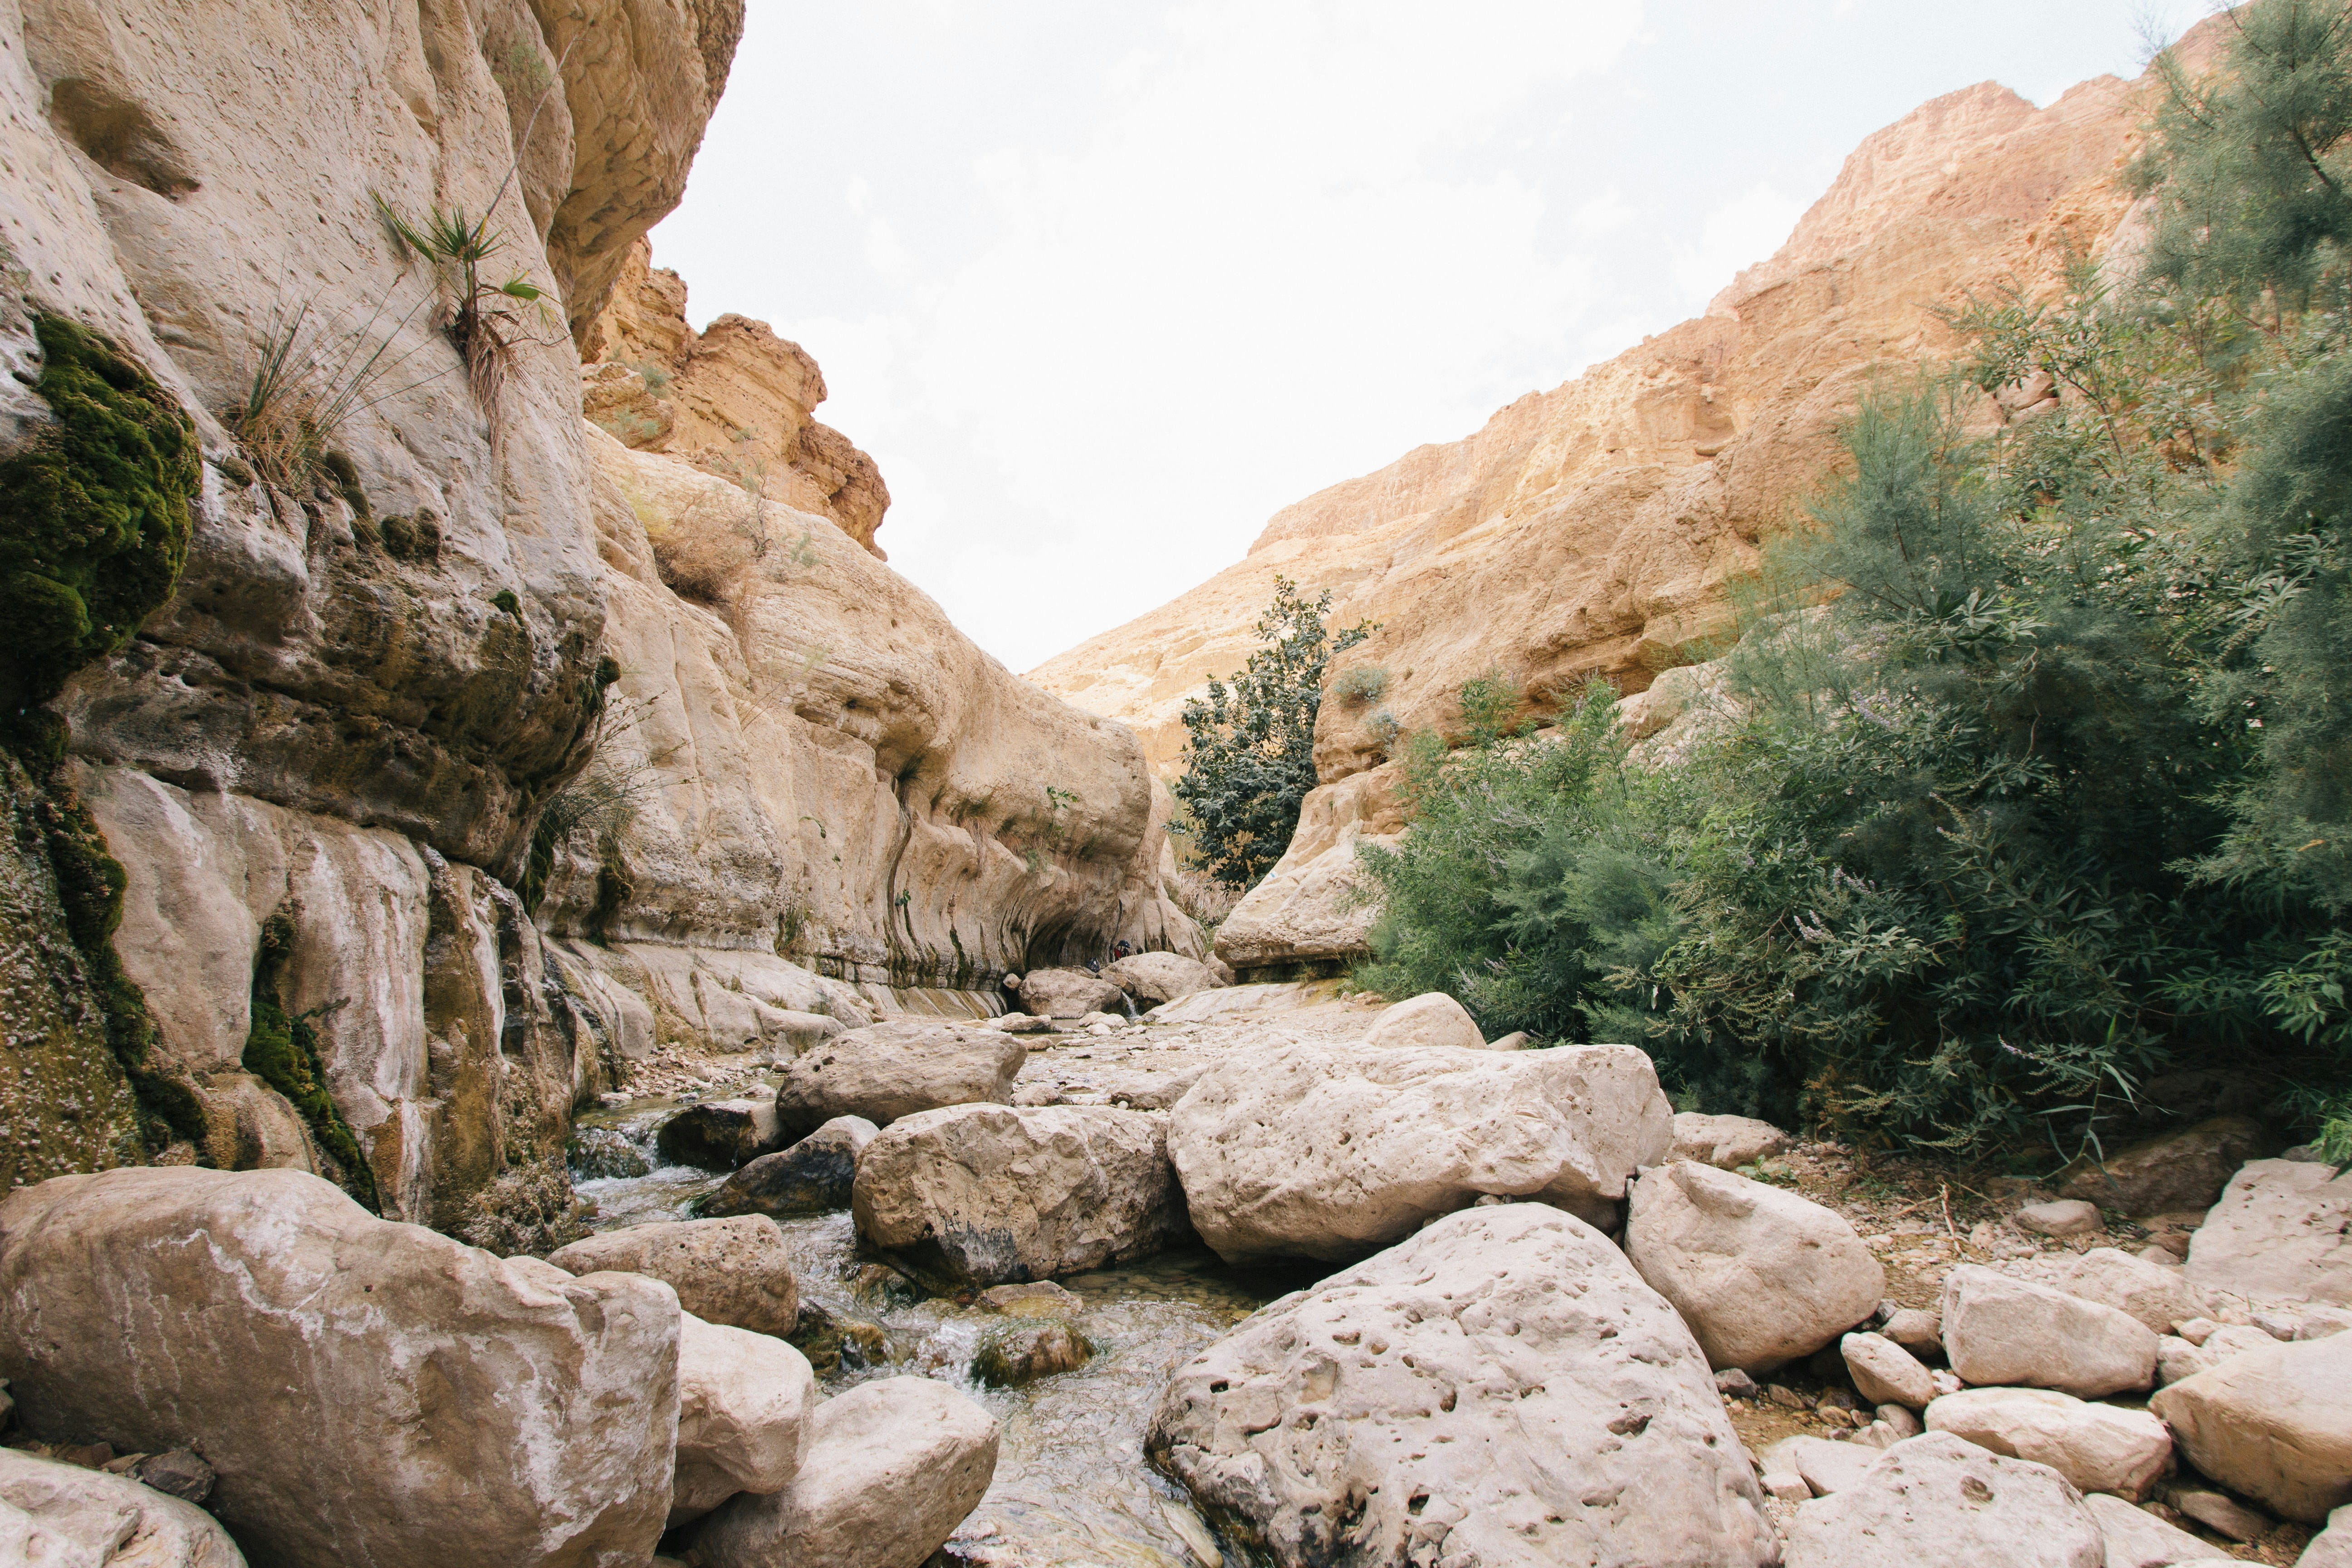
{"type": "Point", "coordinates": [1249, 753]}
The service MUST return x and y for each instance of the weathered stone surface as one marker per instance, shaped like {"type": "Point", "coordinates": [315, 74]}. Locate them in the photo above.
{"type": "Point", "coordinates": [730, 1271]}
{"type": "Point", "coordinates": [2220, 1512]}
{"type": "Point", "coordinates": [1939, 1500]}
{"type": "Point", "coordinates": [1761, 1275]}
{"type": "Point", "coordinates": [1726, 1142]}
{"type": "Point", "coordinates": [1433, 1019]}
{"type": "Point", "coordinates": [1152, 978]}
{"type": "Point", "coordinates": [1919, 1330]}
{"type": "Point", "coordinates": [1824, 1466]}
{"type": "Point", "coordinates": [744, 1403]}
{"type": "Point", "coordinates": [1316, 903]}
{"type": "Point", "coordinates": [1884, 1373]}
{"type": "Point", "coordinates": [1068, 993]}
{"type": "Point", "coordinates": [2183, 1170]}
{"type": "Point", "coordinates": [2137, 1538]}
{"type": "Point", "coordinates": [1501, 1388]}
{"type": "Point", "coordinates": [719, 1134]}
{"type": "Point", "coordinates": [2001, 1331]}
{"type": "Point", "coordinates": [1021, 1356]}
{"type": "Point", "coordinates": [2063, 1216]}
{"type": "Point", "coordinates": [55, 1515]}
{"type": "Point", "coordinates": [1333, 1149]}
{"type": "Point", "coordinates": [2273, 1424]}
{"type": "Point", "coordinates": [888, 1471]}
{"type": "Point", "coordinates": [2282, 1231]}
{"type": "Point", "coordinates": [2099, 1448]}
{"type": "Point", "coordinates": [2156, 1296]}
{"type": "Point", "coordinates": [1038, 1298]}
{"type": "Point", "coordinates": [454, 1405]}
{"type": "Point", "coordinates": [2332, 1547]}
{"type": "Point", "coordinates": [889, 1070]}
{"type": "Point", "coordinates": [813, 1176]}
{"type": "Point", "coordinates": [986, 1194]}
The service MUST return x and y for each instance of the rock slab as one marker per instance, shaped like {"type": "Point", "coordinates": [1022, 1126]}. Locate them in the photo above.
{"type": "Point", "coordinates": [885, 1071]}
{"type": "Point", "coordinates": [1334, 1150]}
{"type": "Point", "coordinates": [2273, 1424]}
{"type": "Point", "coordinates": [1938, 1500]}
{"type": "Point", "coordinates": [2280, 1232]}
{"type": "Point", "coordinates": [2098, 1448]}
{"type": "Point", "coordinates": [1499, 1389]}
{"type": "Point", "coordinates": [2001, 1331]}
{"type": "Point", "coordinates": [732, 1271]}
{"type": "Point", "coordinates": [455, 1406]}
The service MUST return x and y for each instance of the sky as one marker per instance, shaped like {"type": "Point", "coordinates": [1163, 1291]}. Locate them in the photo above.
{"type": "Point", "coordinates": [1101, 287]}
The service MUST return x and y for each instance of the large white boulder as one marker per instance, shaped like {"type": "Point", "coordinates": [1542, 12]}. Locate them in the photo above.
{"type": "Point", "coordinates": [1335, 1150]}
{"type": "Point", "coordinates": [744, 1403]}
{"type": "Point", "coordinates": [2280, 1232]}
{"type": "Point", "coordinates": [2137, 1538]}
{"type": "Point", "coordinates": [1431, 1018]}
{"type": "Point", "coordinates": [1068, 993]}
{"type": "Point", "coordinates": [889, 1469]}
{"type": "Point", "coordinates": [2099, 1448]}
{"type": "Point", "coordinates": [735, 1270]}
{"type": "Point", "coordinates": [885, 1071]}
{"type": "Point", "coordinates": [985, 1195]}
{"type": "Point", "coordinates": [2273, 1424]}
{"type": "Point", "coordinates": [1938, 1500]}
{"type": "Point", "coordinates": [1500, 1389]}
{"type": "Point", "coordinates": [1761, 1275]}
{"type": "Point", "coordinates": [1152, 978]}
{"type": "Point", "coordinates": [1726, 1142]}
{"type": "Point", "coordinates": [372, 1394]}
{"type": "Point", "coordinates": [55, 1515]}
{"type": "Point", "coordinates": [2159, 1296]}
{"type": "Point", "coordinates": [1999, 1330]}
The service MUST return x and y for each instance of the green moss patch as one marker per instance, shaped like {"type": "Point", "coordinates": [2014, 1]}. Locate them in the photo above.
{"type": "Point", "coordinates": [282, 1050]}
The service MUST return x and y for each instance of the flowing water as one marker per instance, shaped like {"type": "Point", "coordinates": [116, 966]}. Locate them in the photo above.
{"type": "Point", "coordinates": [1072, 1487]}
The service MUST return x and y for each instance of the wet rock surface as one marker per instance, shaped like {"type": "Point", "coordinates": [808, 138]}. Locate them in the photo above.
{"type": "Point", "coordinates": [810, 1177]}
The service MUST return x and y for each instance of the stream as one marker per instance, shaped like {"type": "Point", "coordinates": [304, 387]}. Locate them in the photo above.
{"type": "Point", "coordinates": [1072, 1489]}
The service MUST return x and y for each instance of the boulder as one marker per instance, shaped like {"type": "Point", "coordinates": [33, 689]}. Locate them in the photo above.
{"type": "Point", "coordinates": [889, 1070]}
{"type": "Point", "coordinates": [1884, 1373]}
{"type": "Point", "coordinates": [2220, 1512]}
{"type": "Point", "coordinates": [1432, 1018]}
{"type": "Point", "coordinates": [1726, 1142]}
{"type": "Point", "coordinates": [1999, 1330]}
{"type": "Point", "coordinates": [733, 1271]}
{"type": "Point", "coordinates": [2178, 1358]}
{"type": "Point", "coordinates": [2273, 1424]}
{"type": "Point", "coordinates": [2099, 1448]}
{"type": "Point", "coordinates": [796, 1031]}
{"type": "Point", "coordinates": [720, 1134]}
{"type": "Point", "coordinates": [1824, 1466]}
{"type": "Point", "coordinates": [743, 1403]}
{"type": "Point", "coordinates": [312, 1352]}
{"type": "Point", "coordinates": [1023, 1355]}
{"type": "Point", "coordinates": [1919, 1330]}
{"type": "Point", "coordinates": [831, 1342]}
{"type": "Point", "coordinates": [1500, 1389]}
{"type": "Point", "coordinates": [1938, 1500]}
{"type": "Point", "coordinates": [2159, 1296]}
{"type": "Point", "coordinates": [1069, 994]}
{"type": "Point", "coordinates": [2137, 1538]}
{"type": "Point", "coordinates": [813, 1176]}
{"type": "Point", "coordinates": [989, 1195]}
{"type": "Point", "coordinates": [2280, 1232]}
{"type": "Point", "coordinates": [2183, 1170]}
{"type": "Point", "coordinates": [2332, 1547]}
{"type": "Point", "coordinates": [1333, 1149]}
{"type": "Point", "coordinates": [1152, 978]}
{"type": "Point", "coordinates": [1762, 1276]}
{"type": "Point", "coordinates": [888, 1471]}
{"type": "Point", "coordinates": [2063, 1216]}
{"type": "Point", "coordinates": [55, 1515]}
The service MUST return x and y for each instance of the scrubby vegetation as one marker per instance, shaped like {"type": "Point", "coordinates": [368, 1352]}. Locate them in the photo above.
{"type": "Point", "coordinates": [2054, 795]}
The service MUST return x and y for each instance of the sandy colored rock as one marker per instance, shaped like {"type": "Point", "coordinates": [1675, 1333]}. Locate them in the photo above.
{"type": "Point", "coordinates": [1825, 1466]}
{"type": "Point", "coordinates": [743, 1404]}
{"type": "Point", "coordinates": [1500, 1388]}
{"type": "Point", "coordinates": [2137, 1538]}
{"type": "Point", "coordinates": [2282, 1231]}
{"type": "Point", "coordinates": [2332, 1547]}
{"type": "Point", "coordinates": [55, 1515]}
{"type": "Point", "coordinates": [719, 1134]}
{"type": "Point", "coordinates": [1885, 1373]}
{"type": "Point", "coordinates": [1434, 1019]}
{"type": "Point", "coordinates": [1762, 1276]}
{"type": "Point", "coordinates": [1939, 1500]}
{"type": "Point", "coordinates": [1919, 1330]}
{"type": "Point", "coordinates": [1068, 993]}
{"type": "Point", "coordinates": [985, 1195]}
{"type": "Point", "coordinates": [2063, 1217]}
{"type": "Point", "coordinates": [2156, 1296]}
{"type": "Point", "coordinates": [889, 1070]}
{"type": "Point", "coordinates": [888, 1471]}
{"type": "Point", "coordinates": [813, 1176]}
{"type": "Point", "coordinates": [169, 1309]}
{"type": "Point", "coordinates": [1332, 1150]}
{"type": "Point", "coordinates": [1726, 1142]}
{"type": "Point", "coordinates": [1999, 1330]}
{"type": "Point", "coordinates": [2099, 1448]}
{"type": "Point", "coordinates": [2178, 1358]}
{"type": "Point", "coordinates": [1019, 1356]}
{"type": "Point", "coordinates": [1152, 978]}
{"type": "Point", "coordinates": [2274, 1424]}
{"type": "Point", "coordinates": [734, 1271]}
{"type": "Point", "coordinates": [2183, 1170]}
{"type": "Point", "coordinates": [1313, 903]}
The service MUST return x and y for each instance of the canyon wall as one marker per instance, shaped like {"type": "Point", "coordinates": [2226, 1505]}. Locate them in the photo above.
{"type": "Point", "coordinates": [1594, 530]}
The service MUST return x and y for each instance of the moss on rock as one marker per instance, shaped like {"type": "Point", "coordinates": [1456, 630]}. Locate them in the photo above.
{"type": "Point", "coordinates": [282, 1050]}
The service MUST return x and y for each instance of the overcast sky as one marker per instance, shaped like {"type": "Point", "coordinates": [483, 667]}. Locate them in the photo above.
{"type": "Point", "coordinates": [1101, 287]}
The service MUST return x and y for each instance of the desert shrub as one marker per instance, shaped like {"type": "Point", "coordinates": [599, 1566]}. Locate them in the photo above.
{"type": "Point", "coordinates": [528, 1210]}
{"type": "Point", "coordinates": [1362, 685]}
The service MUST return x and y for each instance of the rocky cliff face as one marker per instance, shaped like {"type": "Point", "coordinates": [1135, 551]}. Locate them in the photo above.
{"type": "Point", "coordinates": [1592, 530]}
{"type": "Point", "coordinates": [287, 897]}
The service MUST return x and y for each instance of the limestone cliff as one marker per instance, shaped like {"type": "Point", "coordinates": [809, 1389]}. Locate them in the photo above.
{"type": "Point", "coordinates": [1592, 530]}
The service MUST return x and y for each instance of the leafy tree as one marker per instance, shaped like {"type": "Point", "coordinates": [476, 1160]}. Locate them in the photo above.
{"type": "Point", "coordinates": [1249, 756]}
